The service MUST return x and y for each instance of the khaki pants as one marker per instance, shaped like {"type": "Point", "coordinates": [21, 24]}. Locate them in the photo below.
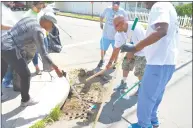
{"type": "Point", "coordinates": [138, 62]}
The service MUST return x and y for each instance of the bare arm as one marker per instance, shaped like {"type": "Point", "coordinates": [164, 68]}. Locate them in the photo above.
{"type": "Point", "coordinates": [160, 31]}
{"type": "Point", "coordinates": [114, 54]}
{"type": "Point", "coordinates": [3, 27]}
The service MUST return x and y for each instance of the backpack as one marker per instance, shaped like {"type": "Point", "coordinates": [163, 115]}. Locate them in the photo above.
{"type": "Point", "coordinates": [55, 45]}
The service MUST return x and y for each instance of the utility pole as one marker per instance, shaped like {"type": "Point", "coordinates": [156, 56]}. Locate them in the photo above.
{"type": "Point", "coordinates": [92, 8]}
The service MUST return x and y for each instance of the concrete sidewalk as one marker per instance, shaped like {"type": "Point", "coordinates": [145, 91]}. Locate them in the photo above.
{"type": "Point", "coordinates": [48, 92]}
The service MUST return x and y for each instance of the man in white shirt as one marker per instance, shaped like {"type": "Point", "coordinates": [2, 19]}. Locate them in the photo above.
{"type": "Point", "coordinates": [131, 60]}
{"type": "Point", "coordinates": [109, 30]}
{"type": "Point", "coordinates": [161, 54]}
{"type": "Point", "coordinates": [8, 19]}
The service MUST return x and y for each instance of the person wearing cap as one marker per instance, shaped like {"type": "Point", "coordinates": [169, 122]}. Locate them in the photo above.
{"type": "Point", "coordinates": [131, 60]}
{"type": "Point", "coordinates": [109, 30]}
{"type": "Point", "coordinates": [31, 54]}
{"type": "Point", "coordinates": [26, 31]}
{"type": "Point", "coordinates": [33, 12]}
{"type": "Point", "coordinates": [161, 50]}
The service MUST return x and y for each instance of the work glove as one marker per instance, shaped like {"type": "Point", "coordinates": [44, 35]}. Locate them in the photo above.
{"type": "Point", "coordinates": [128, 48]}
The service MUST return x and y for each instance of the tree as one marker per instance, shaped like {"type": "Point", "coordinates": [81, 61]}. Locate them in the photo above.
{"type": "Point", "coordinates": [185, 9]}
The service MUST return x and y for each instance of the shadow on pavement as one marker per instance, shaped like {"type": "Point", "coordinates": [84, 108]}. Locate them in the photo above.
{"type": "Point", "coordinates": [10, 93]}
{"type": "Point", "coordinates": [17, 122]}
{"type": "Point", "coordinates": [109, 115]}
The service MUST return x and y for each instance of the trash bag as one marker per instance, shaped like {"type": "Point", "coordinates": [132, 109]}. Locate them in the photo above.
{"type": "Point", "coordinates": [54, 43]}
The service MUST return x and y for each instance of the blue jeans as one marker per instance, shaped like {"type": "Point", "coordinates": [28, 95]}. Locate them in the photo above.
{"type": "Point", "coordinates": [35, 59]}
{"type": "Point", "coordinates": [151, 92]}
{"type": "Point", "coordinates": [8, 76]}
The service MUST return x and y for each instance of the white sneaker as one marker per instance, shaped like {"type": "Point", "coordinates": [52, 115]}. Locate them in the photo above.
{"type": "Point", "coordinates": [30, 102]}
{"type": "Point", "coordinates": [4, 97]}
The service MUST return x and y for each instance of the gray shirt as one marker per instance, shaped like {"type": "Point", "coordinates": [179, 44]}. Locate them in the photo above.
{"type": "Point", "coordinates": [109, 14]}
{"type": "Point", "coordinates": [26, 32]}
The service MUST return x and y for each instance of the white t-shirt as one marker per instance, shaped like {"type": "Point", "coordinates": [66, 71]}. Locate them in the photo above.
{"type": "Point", "coordinates": [8, 18]}
{"type": "Point", "coordinates": [164, 51]}
{"type": "Point", "coordinates": [138, 34]}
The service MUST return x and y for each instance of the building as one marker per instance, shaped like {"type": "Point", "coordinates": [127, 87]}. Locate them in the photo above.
{"type": "Point", "coordinates": [96, 8]}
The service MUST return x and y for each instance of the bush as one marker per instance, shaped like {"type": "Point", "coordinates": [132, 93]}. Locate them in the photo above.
{"type": "Point", "coordinates": [185, 9]}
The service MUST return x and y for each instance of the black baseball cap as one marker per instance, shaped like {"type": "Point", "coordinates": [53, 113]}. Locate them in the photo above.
{"type": "Point", "coordinates": [116, 3]}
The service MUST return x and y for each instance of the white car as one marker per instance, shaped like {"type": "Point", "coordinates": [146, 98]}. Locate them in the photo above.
{"type": "Point", "coordinates": [52, 7]}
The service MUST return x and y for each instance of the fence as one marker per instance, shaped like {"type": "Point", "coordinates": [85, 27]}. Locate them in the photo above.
{"type": "Point", "coordinates": [184, 22]}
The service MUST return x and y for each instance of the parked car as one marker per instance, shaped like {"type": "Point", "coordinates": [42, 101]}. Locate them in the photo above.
{"type": "Point", "coordinates": [19, 6]}
{"type": "Point", "coordinates": [52, 6]}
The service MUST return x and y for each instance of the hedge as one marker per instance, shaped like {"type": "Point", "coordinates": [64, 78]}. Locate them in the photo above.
{"type": "Point", "coordinates": [185, 9]}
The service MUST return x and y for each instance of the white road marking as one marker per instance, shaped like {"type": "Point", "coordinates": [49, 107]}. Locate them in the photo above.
{"type": "Point", "coordinates": [80, 44]}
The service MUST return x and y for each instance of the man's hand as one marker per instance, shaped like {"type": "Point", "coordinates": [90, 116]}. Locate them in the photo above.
{"type": "Point", "coordinates": [58, 71]}
{"type": "Point", "coordinates": [108, 66]}
{"type": "Point", "coordinates": [101, 25]}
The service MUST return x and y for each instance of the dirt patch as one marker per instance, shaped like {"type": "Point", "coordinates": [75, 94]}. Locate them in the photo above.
{"type": "Point", "coordinates": [91, 93]}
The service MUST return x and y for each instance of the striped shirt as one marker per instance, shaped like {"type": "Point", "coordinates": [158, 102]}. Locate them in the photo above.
{"type": "Point", "coordinates": [26, 32]}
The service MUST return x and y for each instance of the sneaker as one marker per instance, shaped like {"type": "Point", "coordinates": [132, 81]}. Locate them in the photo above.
{"type": "Point", "coordinates": [101, 62]}
{"type": "Point", "coordinates": [30, 102]}
{"type": "Point", "coordinates": [123, 85]}
{"type": "Point", "coordinates": [136, 125]}
{"type": "Point", "coordinates": [38, 72]}
{"type": "Point", "coordinates": [155, 124]}
{"type": "Point", "coordinates": [7, 84]}
{"type": "Point", "coordinates": [4, 97]}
